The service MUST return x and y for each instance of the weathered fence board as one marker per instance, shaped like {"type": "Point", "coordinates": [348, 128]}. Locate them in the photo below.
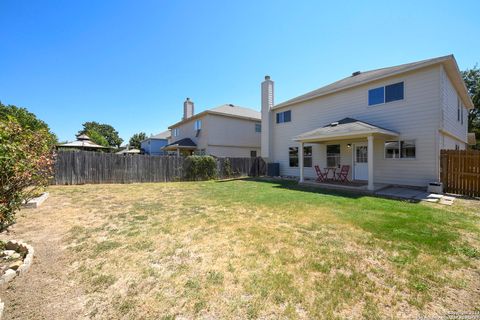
{"type": "Point", "coordinates": [460, 171]}
{"type": "Point", "coordinates": [83, 167]}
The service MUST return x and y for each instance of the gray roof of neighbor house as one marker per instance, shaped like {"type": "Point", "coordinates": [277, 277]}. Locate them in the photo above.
{"type": "Point", "coordinates": [346, 127]}
{"type": "Point", "coordinates": [227, 110]}
{"type": "Point", "coordinates": [182, 143]}
{"type": "Point", "coordinates": [165, 135]}
{"type": "Point", "coordinates": [360, 78]}
{"type": "Point", "coordinates": [128, 151]}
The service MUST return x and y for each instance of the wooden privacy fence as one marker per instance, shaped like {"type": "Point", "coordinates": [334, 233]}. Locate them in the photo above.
{"type": "Point", "coordinates": [460, 171]}
{"type": "Point", "coordinates": [82, 167]}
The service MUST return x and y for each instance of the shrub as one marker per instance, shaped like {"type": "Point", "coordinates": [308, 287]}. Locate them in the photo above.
{"type": "Point", "coordinates": [26, 159]}
{"type": "Point", "coordinates": [227, 168]}
{"type": "Point", "coordinates": [200, 168]}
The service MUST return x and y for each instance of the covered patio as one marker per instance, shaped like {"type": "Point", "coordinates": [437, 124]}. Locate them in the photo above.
{"type": "Point", "coordinates": [183, 146]}
{"type": "Point", "coordinates": [353, 133]}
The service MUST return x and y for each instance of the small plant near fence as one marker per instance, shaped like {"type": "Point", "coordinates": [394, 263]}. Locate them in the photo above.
{"type": "Point", "coordinates": [200, 168]}
{"type": "Point", "coordinates": [227, 168]}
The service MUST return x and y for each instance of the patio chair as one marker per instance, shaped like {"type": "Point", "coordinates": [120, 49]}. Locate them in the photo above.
{"type": "Point", "coordinates": [321, 176]}
{"type": "Point", "coordinates": [342, 176]}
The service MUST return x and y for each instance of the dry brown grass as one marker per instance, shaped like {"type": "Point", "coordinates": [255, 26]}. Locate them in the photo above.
{"type": "Point", "coordinates": [243, 249]}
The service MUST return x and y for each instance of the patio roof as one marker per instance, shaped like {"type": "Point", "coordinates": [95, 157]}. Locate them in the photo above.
{"type": "Point", "coordinates": [185, 143]}
{"type": "Point", "coordinates": [347, 128]}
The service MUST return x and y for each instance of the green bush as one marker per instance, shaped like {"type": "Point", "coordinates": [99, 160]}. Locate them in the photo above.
{"type": "Point", "coordinates": [26, 159]}
{"type": "Point", "coordinates": [200, 168]}
{"type": "Point", "coordinates": [227, 168]}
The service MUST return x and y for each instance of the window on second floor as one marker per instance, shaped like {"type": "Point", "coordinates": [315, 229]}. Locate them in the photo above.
{"type": "Point", "coordinates": [176, 132]}
{"type": "Point", "coordinates": [198, 124]}
{"type": "Point", "coordinates": [285, 116]}
{"type": "Point", "coordinates": [258, 127]}
{"type": "Point", "coordinates": [390, 93]}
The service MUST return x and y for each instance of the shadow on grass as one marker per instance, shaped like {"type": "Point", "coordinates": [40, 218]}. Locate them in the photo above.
{"type": "Point", "coordinates": [402, 224]}
{"type": "Point", "coordinates": [293, 185]}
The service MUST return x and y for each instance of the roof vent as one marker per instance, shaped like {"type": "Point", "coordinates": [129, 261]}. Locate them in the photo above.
{"type": "Point", "coordinates": [231, 105]}
{"type": "Point", "coordinates": [333, 124]}
{"type": "Point", "coordinates": [356, 73]}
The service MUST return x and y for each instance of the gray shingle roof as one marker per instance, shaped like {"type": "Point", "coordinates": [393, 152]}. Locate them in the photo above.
{"type": "Point", "coordinates": [343, 128]}
{"type": "Point", "coordinates": [185, 142]}
{"type": "Point", "coordinates": [365, 77]}
{"type": "Point", "coordinates": [229, 109]}
{"type": "Point", "coordinates": [161, 135]}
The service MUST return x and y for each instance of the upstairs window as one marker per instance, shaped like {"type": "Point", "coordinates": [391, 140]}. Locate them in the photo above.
{"type": "Point", "coordinates": [176, 132]}
{"type": "Point", "coordinates": [293, 156]}
{"type": "Point", "coordinates": [258, 127]}
{"type": "Point", "coordinates": [198, 124]}
{"type": "Point", "coordinates": [390, 93]}
{"type": "Point", "coordinates": [285, 116]}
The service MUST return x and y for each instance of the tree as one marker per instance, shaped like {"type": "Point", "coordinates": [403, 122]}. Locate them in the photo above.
{"type": "Point", "coordinates": [26, 159]}
{"type": "Point", "coordinates": [26, 119]}
{"type": "Point", "coordinates": [105, 130]}
{"type": "Point", "coordinates": [97, 138]}
{"type": "Point", "coordinates": [136, 139]}
{"type": "Point", "coordinates": [472, 81]}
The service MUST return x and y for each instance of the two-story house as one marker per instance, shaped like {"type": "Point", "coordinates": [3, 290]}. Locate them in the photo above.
{"type": "Point", "coordinates": [386, 125]}
{"type": "Point", "coordinates": [224, 131]}
{"type": "Point", "coordinates": [153, 145]}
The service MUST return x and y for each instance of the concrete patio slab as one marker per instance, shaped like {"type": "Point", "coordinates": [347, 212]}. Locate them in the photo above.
{"type": "Point", "coordinates": [415, 194]}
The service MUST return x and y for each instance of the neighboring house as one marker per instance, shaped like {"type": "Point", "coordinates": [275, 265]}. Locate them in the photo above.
{"type": "Point", "coordinates": [224, 131]}
{"type": "Point", "coordinates": [388, 125]}
{"type": "Point", "coordinates": [153, 145]}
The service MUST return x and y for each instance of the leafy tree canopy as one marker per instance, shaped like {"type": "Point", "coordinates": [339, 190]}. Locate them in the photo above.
{"type": "Point", "coordinates": [104, 130]}
{"type": "Point", "coordinates": [26, 120]}
{"type": "Point", "coordinates": [97, 138]}
{"type": "Point", "coordinates": [472, 81]}
{"type": "Point", "coordinates": [136, 139]}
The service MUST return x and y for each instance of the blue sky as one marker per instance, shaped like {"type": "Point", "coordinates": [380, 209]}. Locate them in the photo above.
{"type": "Point", "coordinates": [132, 63]}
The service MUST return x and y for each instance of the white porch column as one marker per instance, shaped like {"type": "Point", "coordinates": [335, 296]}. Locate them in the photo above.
{"type": "Point", "coordinates": [370, 163]}
{"type": "Point", "coordinates": [178, 152]}
{"type": "Point", "coordinates": [300, 161]}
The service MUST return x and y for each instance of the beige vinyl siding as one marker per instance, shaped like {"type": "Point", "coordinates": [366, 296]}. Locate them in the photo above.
{"type": "Point", "coordinates": [450, 110]}
{"type": "Point", "coordinates": [416, 117]}
{"type": "Point", "coordinates": [234, 152]}
{"type": "Point", "coordinates": [222, 136]}
{"type": "Point", "coordinates": [232, 132]}
{"type": "Point", "coordinates": [187, 130]}
{"type": "Point", "coordinates": [448, 142]}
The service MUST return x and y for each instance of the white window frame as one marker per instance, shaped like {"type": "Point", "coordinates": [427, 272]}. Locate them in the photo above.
{"type": "Point", "coordinates": [198, 124]}
{"type": "Point", "coordinates": [399, 150]}
{"type": "Point", "coordinates": [385, 94]}
{"type": "Point", "coordinates": [176, 132]}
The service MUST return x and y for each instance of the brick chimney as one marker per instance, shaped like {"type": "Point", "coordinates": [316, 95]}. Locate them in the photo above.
{"type": "Point", "coordinates": [188, 110]}
{"type": "Point", "coordinates": [267, 105]}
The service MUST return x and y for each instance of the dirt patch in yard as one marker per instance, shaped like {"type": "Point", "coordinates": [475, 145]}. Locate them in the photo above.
{"type": "Point", "coordinates": [241, 249]}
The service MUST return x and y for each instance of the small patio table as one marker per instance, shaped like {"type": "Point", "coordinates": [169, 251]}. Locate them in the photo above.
{"type": "Point", "coordinates": [330, 169]}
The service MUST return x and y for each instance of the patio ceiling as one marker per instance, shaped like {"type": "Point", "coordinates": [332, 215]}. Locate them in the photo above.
{"type": "Point", "coordinates": [347, 128]}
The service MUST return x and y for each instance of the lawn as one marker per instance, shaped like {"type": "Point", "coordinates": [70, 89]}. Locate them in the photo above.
{"type": "Point", "coordinates": [244, 249]}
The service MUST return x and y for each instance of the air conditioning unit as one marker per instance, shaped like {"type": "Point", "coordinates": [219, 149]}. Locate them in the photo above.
{"type": "Point", "coordinates": [435, 187]}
